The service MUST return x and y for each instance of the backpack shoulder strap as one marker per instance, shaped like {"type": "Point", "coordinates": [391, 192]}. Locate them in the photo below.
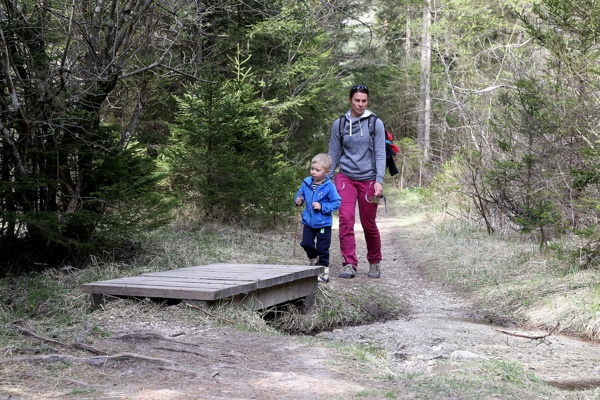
{"type": "Point", "coordinates": [342, 123]}
{"type": "Point", "coordinates": [372, 121]}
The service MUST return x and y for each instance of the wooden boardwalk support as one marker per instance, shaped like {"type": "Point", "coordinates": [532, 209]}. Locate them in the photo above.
{"type": "Point", "coordinates": [258, 286]}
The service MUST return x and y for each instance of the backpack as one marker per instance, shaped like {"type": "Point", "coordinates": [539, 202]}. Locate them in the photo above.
{"type": "Point", "coordinates": [389, 142]}
{"type": "Point", "coordinates": [390, 148]}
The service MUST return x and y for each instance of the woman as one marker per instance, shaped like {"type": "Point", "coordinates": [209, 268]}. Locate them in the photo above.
{"type": "Point", "coordinates": [361, 159]}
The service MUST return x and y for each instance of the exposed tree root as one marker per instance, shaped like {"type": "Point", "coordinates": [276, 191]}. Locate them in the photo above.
{"type": "Point", "coordinates": [98, 360]}
{"type": "Point", "coordinates": [102, 357]}
{"type": "Point", "coordinates": [150, 336]}
{"type": "Point", "coordinates": [181, 351]}
{"type": "Point", "coordinates": [78, 346]}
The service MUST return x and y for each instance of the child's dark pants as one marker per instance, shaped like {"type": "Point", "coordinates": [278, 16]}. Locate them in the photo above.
{"type": "Point", "coordinates": [323, 241]}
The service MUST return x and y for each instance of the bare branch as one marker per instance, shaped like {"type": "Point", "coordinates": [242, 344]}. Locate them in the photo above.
{"type": "Point", "coordinates": [532, 337]}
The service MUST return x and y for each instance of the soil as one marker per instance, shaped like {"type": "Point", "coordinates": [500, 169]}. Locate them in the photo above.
{"type": "Point", "coordinates": [192, 361]}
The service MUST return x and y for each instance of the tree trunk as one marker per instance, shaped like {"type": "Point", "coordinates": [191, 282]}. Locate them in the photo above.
{"type": "Point", "coordinates": [424, 123]}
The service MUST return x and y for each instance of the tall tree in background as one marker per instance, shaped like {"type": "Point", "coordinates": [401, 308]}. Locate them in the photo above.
{"type": "Point", "coordinates": [424, 125]}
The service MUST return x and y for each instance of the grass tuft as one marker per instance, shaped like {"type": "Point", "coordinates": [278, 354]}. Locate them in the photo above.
{"type": "Point", "coordinates": [335, 308]}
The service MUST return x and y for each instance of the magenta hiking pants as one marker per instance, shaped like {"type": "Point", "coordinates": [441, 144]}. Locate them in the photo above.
{"type": "Point", "coordinates": [352, 191]}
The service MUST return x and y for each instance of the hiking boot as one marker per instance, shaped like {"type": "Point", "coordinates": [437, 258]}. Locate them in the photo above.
{"type": "Point", "coordinates": [374, 271]}
{"type": "Point", "coordinates": [313, 261]}
{"type": "Point", "coordinates": [348, 272]}
{"type": "Point", "coordinates": [324, 277]}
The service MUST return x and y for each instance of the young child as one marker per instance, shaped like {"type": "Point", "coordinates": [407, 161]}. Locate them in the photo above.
{"type": "Point", "coordinates": [322, 199]}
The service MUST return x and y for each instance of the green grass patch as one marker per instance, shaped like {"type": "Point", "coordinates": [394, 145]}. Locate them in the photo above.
{"type": "Point", "coordinates": [477, 380]}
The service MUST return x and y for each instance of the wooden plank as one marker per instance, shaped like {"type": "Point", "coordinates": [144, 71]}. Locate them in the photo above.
{"type": "Point", "coordinates": [221, 275]}
{"type": "Point", "coordinates": [250, 270]}
{"type": "Point", "coordinates": [165, 292]}
{"type": "Point", "coordinates": [267, 283]}
{"type": "Point", "coordinates": [191, 281]}
{"type": "Point", "coordinates": [197, 292]}
{"type": "Point", "coordinates": [264, 280]}
{"type": "Point", "coordinates": [269, 297]}
{"type": "Point", "coordinates": [246, 285]}
{"type": "Point", "coordinates": [247, 266]}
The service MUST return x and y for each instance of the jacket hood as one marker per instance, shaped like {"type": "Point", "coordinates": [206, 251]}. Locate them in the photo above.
{"type": "Point", "coordinates": [309, 180]}
{"type": "Point", "coordinates": [366, 114]}
{"type": "Point", "coordinates": [360, 120]}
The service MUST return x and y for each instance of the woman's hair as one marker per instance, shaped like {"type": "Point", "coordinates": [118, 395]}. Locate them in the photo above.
{"type": "Point", "coordinates": [323, 159]}
{"type": "Point", "coordinates": [359, 89]}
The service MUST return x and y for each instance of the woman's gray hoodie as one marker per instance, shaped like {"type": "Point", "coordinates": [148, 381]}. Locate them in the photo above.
{"type": "Point", "coordinates": [360, 159]}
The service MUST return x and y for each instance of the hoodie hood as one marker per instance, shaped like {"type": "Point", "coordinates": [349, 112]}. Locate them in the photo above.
{"type": "Point", "coordinates": [353, 120]}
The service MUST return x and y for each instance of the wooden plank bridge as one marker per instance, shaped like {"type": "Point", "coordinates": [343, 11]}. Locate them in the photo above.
{"type": "Point", "coordinates": [257, 286]}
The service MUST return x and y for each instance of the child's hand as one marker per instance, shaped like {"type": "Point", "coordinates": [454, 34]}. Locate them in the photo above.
{"type": "Point", "coordinates": [299, 201]}
{"type": "Point", "coordinates": [316, 206]}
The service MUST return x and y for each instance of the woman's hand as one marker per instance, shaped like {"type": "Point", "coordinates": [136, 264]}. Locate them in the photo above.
{"type": "Point", "coordinates": [378, 189]}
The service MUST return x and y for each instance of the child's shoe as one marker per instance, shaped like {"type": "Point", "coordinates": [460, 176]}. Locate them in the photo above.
{"type": "Point", "coordinates": [313, 261]}
{"type": "Point", "coordinates": [324, 277]}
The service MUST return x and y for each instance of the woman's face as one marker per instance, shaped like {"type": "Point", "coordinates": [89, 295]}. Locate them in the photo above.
{"type": "Point", "coordinates": [358, 104]}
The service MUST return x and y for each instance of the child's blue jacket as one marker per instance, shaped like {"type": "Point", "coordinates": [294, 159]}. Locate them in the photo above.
{"type": "Point", "coordinates": [326, 194]}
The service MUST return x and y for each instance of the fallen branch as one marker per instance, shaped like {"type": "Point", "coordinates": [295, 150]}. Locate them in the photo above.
{"type": "Point", "coordinates": [532, 337]}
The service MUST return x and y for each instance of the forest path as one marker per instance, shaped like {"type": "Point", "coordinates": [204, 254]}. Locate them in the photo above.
{"type": "Point", "coordinates": [443, 325]}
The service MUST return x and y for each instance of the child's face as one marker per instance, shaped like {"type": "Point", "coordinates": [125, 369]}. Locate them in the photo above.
{"type": "Point", "coordinates": [318, 172]}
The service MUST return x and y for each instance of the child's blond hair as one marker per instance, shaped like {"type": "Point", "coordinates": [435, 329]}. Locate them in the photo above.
{"type": "Point", "coordinates": [323, 159]}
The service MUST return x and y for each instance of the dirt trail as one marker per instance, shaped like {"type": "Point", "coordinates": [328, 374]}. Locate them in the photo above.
{"type": "Point", "coordinates": [442, 326]}
{"type": "Point", "coordinates": [226, 363]}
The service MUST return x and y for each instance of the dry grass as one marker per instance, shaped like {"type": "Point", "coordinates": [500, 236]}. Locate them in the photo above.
{"type": "Point", "coordinates": [508, 275]}
{"type": "Point", "coordinates": [337, 308]}
{"type": "Point", "coordinates": [53, 298]}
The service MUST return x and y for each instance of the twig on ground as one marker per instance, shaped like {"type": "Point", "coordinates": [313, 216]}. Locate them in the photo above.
{"type": "Point", "coordinates": [76, 382]}
{"type": "Point", "coordinates": [532, 337]}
